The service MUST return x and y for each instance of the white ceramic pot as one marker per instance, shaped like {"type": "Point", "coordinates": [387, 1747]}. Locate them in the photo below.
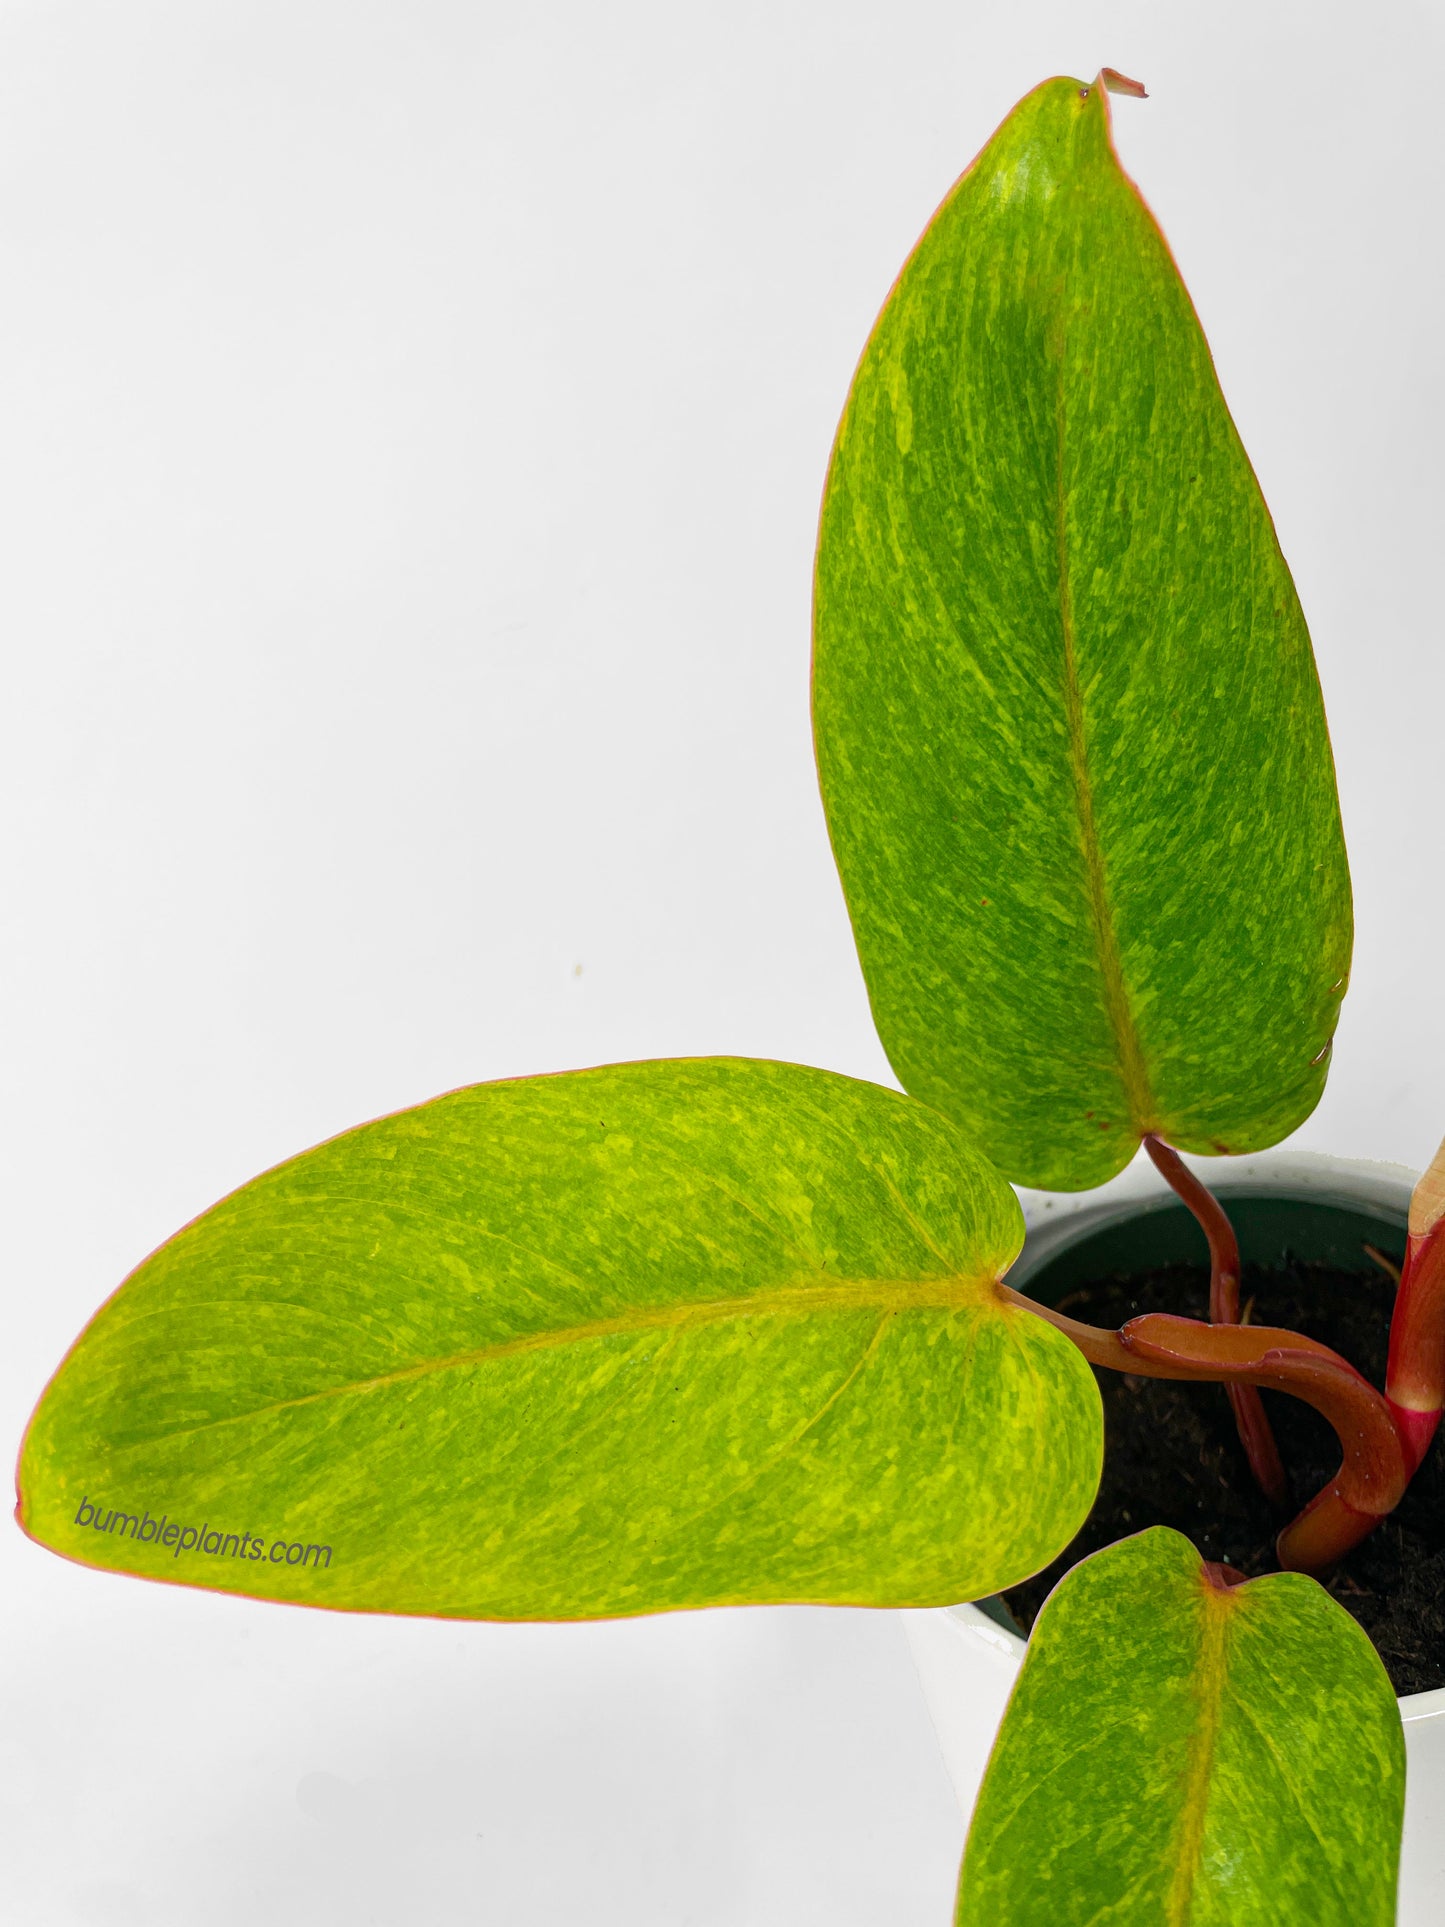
{"type": "Point", "coordinates": [967, 1659]}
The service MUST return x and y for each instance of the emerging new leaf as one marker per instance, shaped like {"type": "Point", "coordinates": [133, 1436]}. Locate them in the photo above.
{"type": "Point", "coordinates": [1178, 1749]}
{"type": "Point", "coordinates": [1069, 733]}
{"type": "Point", "coordinates": [656, 1335]}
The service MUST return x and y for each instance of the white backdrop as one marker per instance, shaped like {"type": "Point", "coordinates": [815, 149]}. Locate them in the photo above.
{"type": "Point", "coordinates": [414, 417]}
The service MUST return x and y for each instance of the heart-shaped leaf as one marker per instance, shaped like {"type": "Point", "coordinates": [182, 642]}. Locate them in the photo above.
{"type": "Point", "coordinates": [651, 1336]}
{"type": "Point", "coordinates": [1069, 732]}
{"type": "Point", "coordinates": [1178, 1750]}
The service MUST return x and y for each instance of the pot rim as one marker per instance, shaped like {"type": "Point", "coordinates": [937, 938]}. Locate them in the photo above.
{"type": "Point", "coordinates": [1057, 1220]}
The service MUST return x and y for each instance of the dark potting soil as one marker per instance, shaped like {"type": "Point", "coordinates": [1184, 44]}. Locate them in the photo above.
{"type": "Point", "coordinates": [1172, 1458]}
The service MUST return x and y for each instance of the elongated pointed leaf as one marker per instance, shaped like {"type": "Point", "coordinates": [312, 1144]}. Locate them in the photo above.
{"type": "Point", "coordinates": [1177, 1752]}
{"type": "Point", "coordinates": [651, 1336]}
{"type": "Point", "coordinates": [1069, 732]}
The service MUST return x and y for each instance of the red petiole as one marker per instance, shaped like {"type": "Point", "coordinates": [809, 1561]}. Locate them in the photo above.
{"type": "Point", "coordinates": [1382, 1437]}
{"type": "Point", "coordinates": [1415, 1377]}
{"type": "Point", "coordinates": [1375, 1465]}
{"type": "Point", "coordinates": [1255, 1433]}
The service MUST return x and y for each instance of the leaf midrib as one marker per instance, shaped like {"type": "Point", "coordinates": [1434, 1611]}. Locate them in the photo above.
{"type": "Point", "coordinates": [1117, 1008]}
{"type": "Point", "coordinates": [884, 1296]}
{"type": "Point", "coordinates": [1207, 1687]}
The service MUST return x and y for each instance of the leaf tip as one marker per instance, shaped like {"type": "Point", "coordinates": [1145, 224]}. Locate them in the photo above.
{"type": "Point", "coordinates": [1114, 82]}
{"type": "Point", "coordinates": [1427, 1201]}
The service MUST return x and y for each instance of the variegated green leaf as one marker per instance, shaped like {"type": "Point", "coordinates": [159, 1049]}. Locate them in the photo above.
{"type": "Point", "coordinates": [1069, 733]}
{"type": "Point", "coordinates": [1179, 1753]}
{"type": "Point", "coordinates": [652, 1336]}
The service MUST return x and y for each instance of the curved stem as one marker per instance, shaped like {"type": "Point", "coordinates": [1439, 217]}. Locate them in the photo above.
{"type": "Point", "coordinates": [1255, 1432]}
{"type": "Point", "coordinates": [1415, 1376]}
{"type": "Point", "coordinates": [1375, 1464]}
{"type": "Point", "coordinates": [1223, 1245]}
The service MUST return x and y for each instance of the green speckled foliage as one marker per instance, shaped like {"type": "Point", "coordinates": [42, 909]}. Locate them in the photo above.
{"type": "Point", "coordinates": [717, 1331]}
{"type": "Point", "coordinates": [1180, 1755]}
{"type": "Point", "coordinates": [1069, 732]}
{"type": "Point", "coordinates": [651, 1336]}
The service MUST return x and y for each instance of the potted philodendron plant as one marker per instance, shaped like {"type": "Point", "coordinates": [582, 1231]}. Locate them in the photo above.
{"type": "Point", "coordinates": [675, 1334]}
